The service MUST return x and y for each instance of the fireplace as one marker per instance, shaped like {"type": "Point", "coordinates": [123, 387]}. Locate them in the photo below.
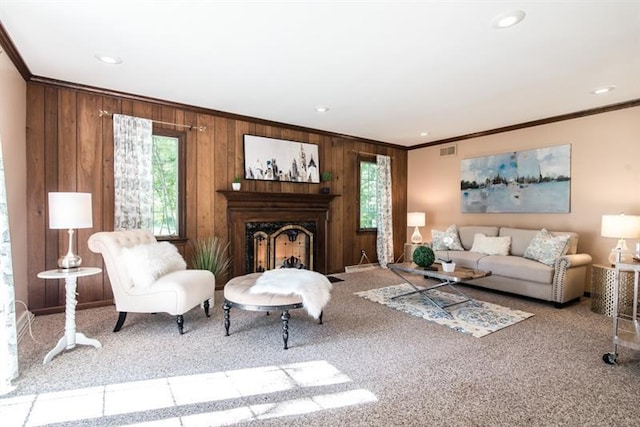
{"type": "Point", "coordinates": [270, 245]}
{"type": "Point", "coordinates": [273, 230]}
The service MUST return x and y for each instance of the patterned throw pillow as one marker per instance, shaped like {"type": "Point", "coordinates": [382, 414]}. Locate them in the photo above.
{"type": "Point", "coordinates": [491, 245]}
{"type": "Point", "coordinates": [546, 248]}
{"type": "Point", "coordinates": [447, 240]}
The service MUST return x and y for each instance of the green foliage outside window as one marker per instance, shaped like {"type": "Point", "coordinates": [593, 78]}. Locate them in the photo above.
{"type": "Point", "coordinates": [368, 205]}
{"type": "Point", "coordinates": [165, 186]}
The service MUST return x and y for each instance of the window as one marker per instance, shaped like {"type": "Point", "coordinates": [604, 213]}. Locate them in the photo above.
{"type": "Point", "coordinates": [168, 183]}
{"type": "Point", "coordinates": [367, 190]}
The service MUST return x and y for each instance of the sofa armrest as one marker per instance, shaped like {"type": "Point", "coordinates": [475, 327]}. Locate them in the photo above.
{"type": "Point", "coordinates": [569, 277]}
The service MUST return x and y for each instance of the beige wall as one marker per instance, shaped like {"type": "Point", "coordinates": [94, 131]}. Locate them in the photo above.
{"type": "Point", "coordinates": [13, 100]}
{"type": "Point", "coordinates": [605, 177]}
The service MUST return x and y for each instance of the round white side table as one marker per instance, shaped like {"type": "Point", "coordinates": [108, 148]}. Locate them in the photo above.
{"type": "Point", "coordinates": [71, 337]}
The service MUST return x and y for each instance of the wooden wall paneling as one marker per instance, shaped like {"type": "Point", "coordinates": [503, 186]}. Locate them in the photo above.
{"type": "Point", "coordinates": [107, 195]}
{"type": "Point", "coordinates": [67, 161]}
{"type": "Point", "coordinates": [53, 289]}
{"type": "Point", "coordinates": [126, 107]}
{"type": "Point", "coordinates": [143, 110]}
{"type": "Point", "coordinates": [37, 222]}
{"type": "Point", "coordinates": [249, 129]}
{"type": "Point", "coordinates": [89, 178]}
{"type": "Point", "coordinates": [207, 164]}
{"type": "Point", "coordinates": [191, 184]}
{"type": "Point", "coordinates": [337, 166]}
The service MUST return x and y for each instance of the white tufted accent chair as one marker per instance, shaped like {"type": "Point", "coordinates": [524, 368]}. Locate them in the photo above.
{"type": "Point", "coordinates": [174, 293]}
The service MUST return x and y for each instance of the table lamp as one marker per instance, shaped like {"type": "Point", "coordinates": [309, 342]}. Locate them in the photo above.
{"type": "Point", "coordinates": [620, 227]}
{"type": "Point", "coordinates": [416, 219]}
{"type": "Point", "coordinates": [70, 211]}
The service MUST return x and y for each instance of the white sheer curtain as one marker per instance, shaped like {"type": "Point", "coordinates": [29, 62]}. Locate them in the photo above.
{"type": "Point", "coordinates": [8, 331]}
{"type": "Point", "coordinates": [133, 173]}
{"type": "Point", "coordinates": [384, 219]}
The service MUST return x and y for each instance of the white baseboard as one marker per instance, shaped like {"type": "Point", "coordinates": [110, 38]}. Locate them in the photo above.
{"type": "Point", "coordinates": [22, 323]}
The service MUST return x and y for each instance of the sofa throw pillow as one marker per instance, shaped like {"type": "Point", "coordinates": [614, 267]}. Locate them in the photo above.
{"type": "Point", "coordinates": [447, 240]}
{"type": "Point", "coordinates": [491, 245]}
{"type": "Point", "coordinates": [147, 262]}
{"type": "Point", "coordinates": [546, 248]}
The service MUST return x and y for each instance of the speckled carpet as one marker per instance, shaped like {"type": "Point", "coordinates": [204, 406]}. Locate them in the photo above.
{"type": "Point", "coordinates": [381, 367]}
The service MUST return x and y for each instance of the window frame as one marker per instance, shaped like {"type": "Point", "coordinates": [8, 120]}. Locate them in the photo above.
{"type": "Point", "coordinates": [363, 159]}
{"type": "Point", "coordinates": [181, 136]}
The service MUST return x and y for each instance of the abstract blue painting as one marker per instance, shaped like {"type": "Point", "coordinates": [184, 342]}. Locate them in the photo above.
{"type": "Point", "coordinates": [536, 181]}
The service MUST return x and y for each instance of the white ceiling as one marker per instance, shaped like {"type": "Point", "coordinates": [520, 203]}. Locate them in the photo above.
{"type": "Point", "coordinates": [387, 70]}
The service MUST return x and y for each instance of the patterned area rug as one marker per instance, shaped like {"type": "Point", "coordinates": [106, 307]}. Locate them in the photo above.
{"type": "Point", "coordinates": [475, 318]}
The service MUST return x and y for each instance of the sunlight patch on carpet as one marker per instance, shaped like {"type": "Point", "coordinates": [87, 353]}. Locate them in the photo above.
{"type": "Point", "coordinates": [477, 318]}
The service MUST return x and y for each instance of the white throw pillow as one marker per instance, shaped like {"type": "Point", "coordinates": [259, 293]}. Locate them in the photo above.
{"type": "Point", "coordinates": [447, 240]}
{"type": "Point", "coordinates": [148, 262]}
{"type": "Point", "coordinates": [491, 245]}
{"type": "Point", "coordinates": [546, 248]}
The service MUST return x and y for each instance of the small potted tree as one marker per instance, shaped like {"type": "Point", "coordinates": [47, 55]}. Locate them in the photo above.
{"type": "Point", "coordinates": [237, 183]}
{"type": "Point", "coordinates": [325, 177]}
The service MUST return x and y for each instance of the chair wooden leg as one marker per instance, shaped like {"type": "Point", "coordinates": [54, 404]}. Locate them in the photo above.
{"type": "Point", "coordinates": [121, 317]}
{"type": "Point", "coordinates": [206, 307]}
{"type": "Point", "coordinates": [227, 321]}
{"type": "Point", "coordinates": [285, 327]}
{"type": "Point", "coordinates": [180, 321]}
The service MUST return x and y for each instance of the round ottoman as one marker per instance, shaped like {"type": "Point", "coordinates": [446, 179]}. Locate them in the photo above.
{"type": "Point", "coordinates": [236, 294]}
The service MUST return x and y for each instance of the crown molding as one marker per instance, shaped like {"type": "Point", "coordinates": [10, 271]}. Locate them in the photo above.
{"type": "Point", "coordinates": [10, 49]}
{"type": "Point", "coordinates": [560, 118]}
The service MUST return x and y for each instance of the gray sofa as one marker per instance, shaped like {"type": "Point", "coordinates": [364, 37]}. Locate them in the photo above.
{"type": "Point", "coordinates": [560, 283]}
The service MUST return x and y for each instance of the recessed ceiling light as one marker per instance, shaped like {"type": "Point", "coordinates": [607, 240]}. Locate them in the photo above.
{"type": "Point", "coordinates": [602, 90]}
{"type": "Point", "coordinates": [322, 109]}
{"type": "Point", "coordinates": [509, 19]}
{"type": "Point", "coordinates": [424, 133]}
{"type": "Point", "coordinates": [108, 59]}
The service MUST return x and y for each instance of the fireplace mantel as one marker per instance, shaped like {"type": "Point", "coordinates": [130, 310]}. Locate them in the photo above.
{"type": "Point", "coordinates": [249, 206]}
{"type": "Point", "coordinates": [274, 200]}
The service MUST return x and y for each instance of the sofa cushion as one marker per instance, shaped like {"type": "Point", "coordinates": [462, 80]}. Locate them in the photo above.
{"type": "Point", "coordinates": [491, 245]}
{"type": "Point", "coordinates": [468, 232]}
{"type": "Point", "coordinates": [446, 240]}
{"type": "Point", "coordinates": [517, 268]}
{"type": "Point", "coordinates": [520, 238]}
{"type": "Point", "coordinates": [546, 248]}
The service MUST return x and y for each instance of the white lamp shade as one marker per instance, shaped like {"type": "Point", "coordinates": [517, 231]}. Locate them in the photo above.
{"type": "Point", "coordinates": [416, 219]}
{"type": "Point", "coordinates": [620, 226]}
{"type": "Point", "coordinates": [70, 210]}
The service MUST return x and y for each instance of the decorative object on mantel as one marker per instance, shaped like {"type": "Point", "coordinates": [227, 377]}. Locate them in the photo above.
{"type": "Point", "coordinates": [620, 227]}
{"type": "Point", "coordinates": [270, 159]}
{"type": "Point", "coordinates": [325, 177]}
{"type": "Point", "coordinates": [237, 183]}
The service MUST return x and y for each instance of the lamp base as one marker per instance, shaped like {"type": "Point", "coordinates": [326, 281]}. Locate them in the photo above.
{"type": "Point", "coordinates": [69, 262]}
{"type": "Point", "coordinates": [620, 253]}
{"type": "Point", "coordinates": [416, 237]}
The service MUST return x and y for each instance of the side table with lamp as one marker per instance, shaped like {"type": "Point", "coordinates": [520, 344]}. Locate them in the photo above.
{"type": "Point", "coordinates": [70, 211]}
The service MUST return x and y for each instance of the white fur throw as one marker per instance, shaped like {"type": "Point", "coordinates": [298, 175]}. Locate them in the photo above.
{"type": "Point", "coordinates": [147, 262]}
{"type": "Point", "coordinates": [314, 288]}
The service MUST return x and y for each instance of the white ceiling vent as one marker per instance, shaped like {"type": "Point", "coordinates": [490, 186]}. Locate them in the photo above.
{"type": "Point", "coordinates": [448, 151]}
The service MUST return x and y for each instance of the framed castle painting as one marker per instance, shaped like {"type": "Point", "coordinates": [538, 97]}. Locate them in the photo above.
{"type": "Point", "coordinates": [531, 181]}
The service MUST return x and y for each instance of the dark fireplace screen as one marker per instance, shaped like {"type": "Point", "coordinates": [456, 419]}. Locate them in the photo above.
{"type": "Point", "coordinates": [271, 245]}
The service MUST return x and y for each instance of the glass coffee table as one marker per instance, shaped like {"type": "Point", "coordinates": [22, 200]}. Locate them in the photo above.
{"type": "Point", "coordinates": [436, 272]}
